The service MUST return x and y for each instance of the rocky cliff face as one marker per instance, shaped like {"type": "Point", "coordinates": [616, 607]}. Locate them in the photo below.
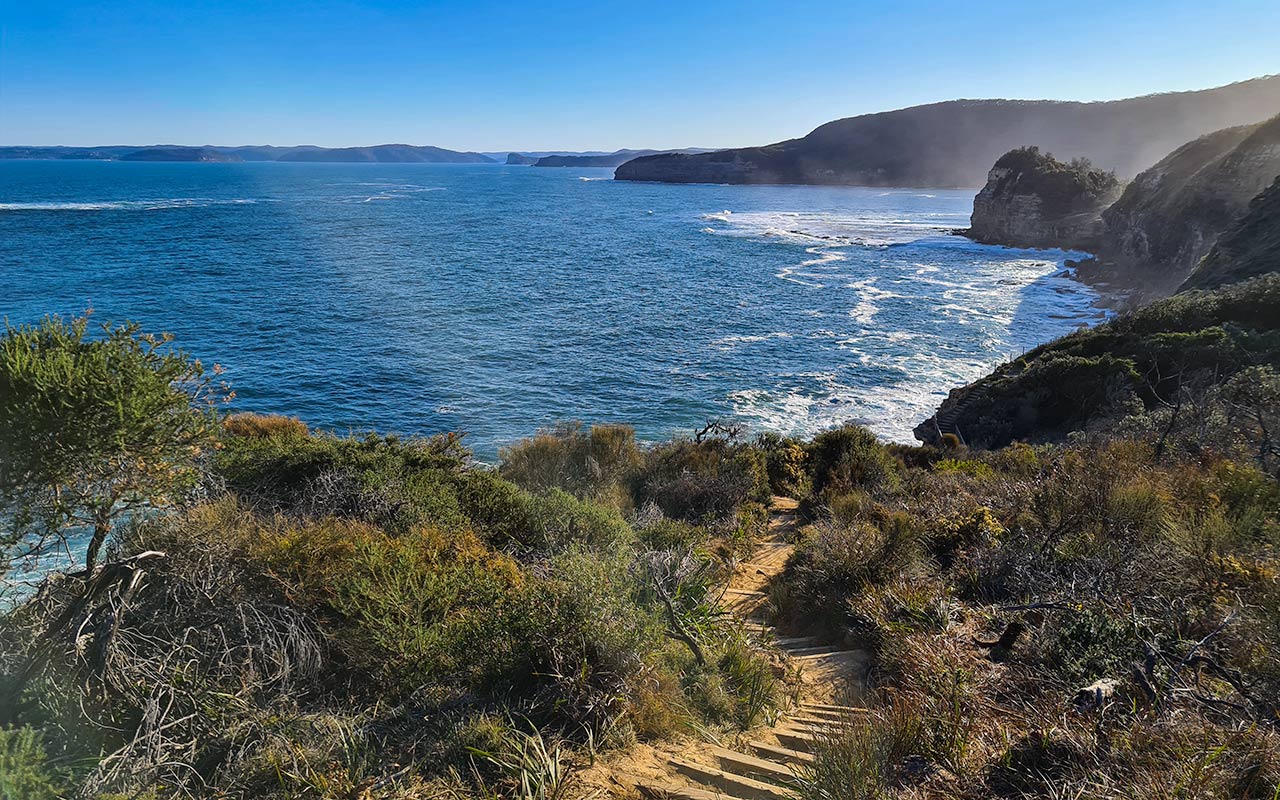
{"type": "Point", "coordinates": [1251, 247]}
{"type": "Point", "coordinates": [954, 143]}
{"type": "Point", "coordinates": [520, 159]}
{"type": "Point", "coordinates": [1031, 199]}
{"type": "Point", "coordinates": [1171, 214]}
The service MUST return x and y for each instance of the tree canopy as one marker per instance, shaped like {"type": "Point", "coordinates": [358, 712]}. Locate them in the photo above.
{"type": "Point", "coordinates": [95, 427]}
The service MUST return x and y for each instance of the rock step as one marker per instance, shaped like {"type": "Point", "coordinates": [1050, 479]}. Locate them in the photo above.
{"type": "Point", "coordinates": [834, 716]}
{"type": "Point", "coordinates": [734, 785]}
{"type": "Point", "coordinates": [827, 654]}
{"type": "Point", "coordinates": [801, 652]}
{"type": "Point", "coordinates": [750, 766]}
{"type": "Point", "coordinates": [781, 755]}
{"type": "Point", "coordinates": [796, 641]}
{"type": "Point", "coordinates": [811, 707]}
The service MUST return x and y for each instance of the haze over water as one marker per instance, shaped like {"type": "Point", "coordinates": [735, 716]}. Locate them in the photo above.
{"type": "Point", "coordinates": [495, 300]}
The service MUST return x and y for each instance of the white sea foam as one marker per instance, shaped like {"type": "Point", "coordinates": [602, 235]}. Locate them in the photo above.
{"type": "Point", "coordinates": [730, 342]}
{"type": "Point", "coordinates": [127, 205]}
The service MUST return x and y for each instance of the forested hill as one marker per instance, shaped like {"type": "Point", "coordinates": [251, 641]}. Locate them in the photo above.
{"type": "Point", "coordinates": [954, 143]}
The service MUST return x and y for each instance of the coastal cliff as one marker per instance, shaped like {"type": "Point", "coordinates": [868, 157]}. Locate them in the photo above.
{"type": "Point", "coordinates": [1032, 199]}
{"type": "Point", "coordinates": [954, 143]}
{"type": "Point", "coordinates": [1169, 217]}
{"type": "Point", "coordinates": [1251, 247]}
{"type": "Point", "coordinates": [520, 160]}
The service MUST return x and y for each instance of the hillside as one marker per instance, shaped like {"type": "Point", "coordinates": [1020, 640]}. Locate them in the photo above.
{"type": "Point", "coordinates": [1251, 247]}
{"type": "Point", "coordinates": [953, 144]}
{"type": "Point", "coordinates": [613, 159]}
{"type": "Point", "coordinates": [1138, 363]}
{"type": "Point", "coordinates": [386, 154]}
{"type": "Point", "coordinates": [1171, 214]}
{"type": "Point", "coordinates": [202, 154]}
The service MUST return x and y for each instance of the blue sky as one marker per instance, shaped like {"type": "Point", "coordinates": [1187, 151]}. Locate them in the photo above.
{"type": "Point", "coordinates": [562, 74]}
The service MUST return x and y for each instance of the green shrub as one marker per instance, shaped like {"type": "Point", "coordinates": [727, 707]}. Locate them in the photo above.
{"type": "Point", "coordinates": [700, 481]}
{"type": "Point", "coordinates": [786, 462]}
{"type": "Point", "coordinates": [591, 464]}
{"type": "Point", "coordinates": [263, 426]}
{"type": "Point", "coordinates": [24, 768]}
{"type": "Point", "coordinates": [850, 458]}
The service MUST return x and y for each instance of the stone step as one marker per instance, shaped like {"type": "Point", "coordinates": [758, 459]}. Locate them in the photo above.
{"type": "Point", "coordinates": [834, 716]}
{"type": "Point", "coordinates": [781, 755]}
{"type": "Point", "coordinates": [827, 654]}
{"type": "Point", "coordinates": [751, 767]}
{"type": "Point", "coordinates": [800, 652]}
{"type": "Point", "coordinates": [729, 783]}
{"type": "Point", "coordinates": [811, 707]}
{"type": "Point", "coordinates": [796, 641]}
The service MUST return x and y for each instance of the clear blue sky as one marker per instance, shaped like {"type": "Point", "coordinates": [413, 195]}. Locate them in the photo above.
{"type": "Point", "coordinates": [562, 74]}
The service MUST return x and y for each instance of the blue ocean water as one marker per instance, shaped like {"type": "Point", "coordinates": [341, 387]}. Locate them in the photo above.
{"type": "Point", "coordinates": [495, 300]}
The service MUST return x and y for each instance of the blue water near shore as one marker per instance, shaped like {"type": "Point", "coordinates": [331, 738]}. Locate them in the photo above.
{"type": "Point", "coordinates": [495, 300]}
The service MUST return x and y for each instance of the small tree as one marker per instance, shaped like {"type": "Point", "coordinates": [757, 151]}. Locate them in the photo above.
{"type": "Point", "coordinates": [93, 428]}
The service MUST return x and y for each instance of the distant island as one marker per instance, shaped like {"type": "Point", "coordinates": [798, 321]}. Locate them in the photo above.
{"type": "Point", "coordinates": [954, 143]}
{"type": "Point", "coordinates": [382, 154]}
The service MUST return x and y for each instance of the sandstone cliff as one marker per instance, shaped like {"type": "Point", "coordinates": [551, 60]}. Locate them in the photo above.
{"type": "Point", "coordinates": [1170, 215]}
{"type": "Point", "coordinates": [953, 144]}
{"type": "Point", "coordinates": [1251, 247]}
{"type": "Point", "coordinates": [1031, 199]}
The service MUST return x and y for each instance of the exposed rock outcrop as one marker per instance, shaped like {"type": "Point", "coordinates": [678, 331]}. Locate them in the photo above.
{"type": "Point", "coordinates": [1031, 199]}
{"type": "Point", "coordinates": [954, 143]}
{"type": "Point", "coordinates": [1169, 217]}
{"type": "Point", "coordinates": [1251, 247]}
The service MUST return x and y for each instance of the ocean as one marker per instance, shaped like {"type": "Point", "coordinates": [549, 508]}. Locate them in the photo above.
{"type": "Point", "coordinates": [495, 300]}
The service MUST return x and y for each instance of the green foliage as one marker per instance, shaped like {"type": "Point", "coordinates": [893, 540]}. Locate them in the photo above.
{"type": "Point", "coordinates": [590, 464]}
{"type": "Point", "coordinates": [704, 480]}
{"type": "Point", "coordinates": [1148, 359]}
{"type": "Point", "coordinates": [1062, 187]}
{"type": "Point", "coordinates": [786, 462]}
{"type": "Point", "coordinates": [95, 428]}
{"type": "Point", "coordinates": [848, 458]}
{"type": "Point", "coordinates": [24, 769]}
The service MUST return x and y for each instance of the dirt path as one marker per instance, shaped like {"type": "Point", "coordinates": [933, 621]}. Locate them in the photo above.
{"type": "Point", "coordinates": [759, 764]}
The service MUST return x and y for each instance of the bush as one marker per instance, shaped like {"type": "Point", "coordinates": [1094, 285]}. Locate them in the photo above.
{"type": "Point", "coordinates": [24, 769]}
{"type": "Point", "coordinates": [848, 458]}
{"type": "Point", "coordinates": [589, 464]}
{"type": "Point", "coordinates": [786, 462]}
{"type": "Point", "coordinates": [263, 426]}
{"type": "Point", "coordinates": [702, 481]}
